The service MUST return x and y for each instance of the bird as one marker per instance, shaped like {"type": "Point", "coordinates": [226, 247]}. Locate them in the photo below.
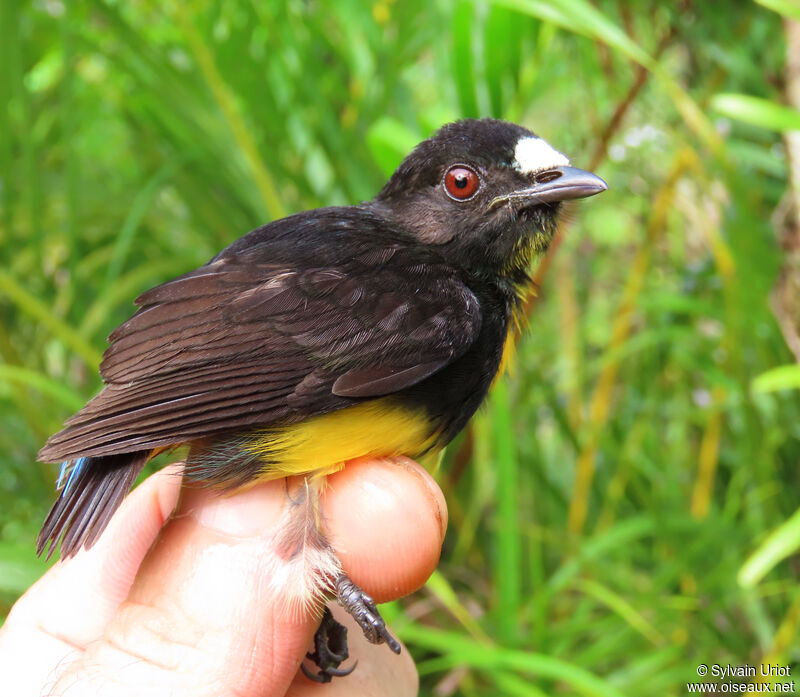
{"type": "Point", "coordinates": [332, 334]}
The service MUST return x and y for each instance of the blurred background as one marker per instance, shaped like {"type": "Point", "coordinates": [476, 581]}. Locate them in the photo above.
{"type": "Point", "coordinates": [626, 507]}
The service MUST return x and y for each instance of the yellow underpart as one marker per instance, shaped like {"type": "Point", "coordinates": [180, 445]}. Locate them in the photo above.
{"type": "Point", "coordinates": [509, 347]}
{"type": "Point", "coordinates": [518, 324]}
{"type": "Point", "coordinates": [322, 444]}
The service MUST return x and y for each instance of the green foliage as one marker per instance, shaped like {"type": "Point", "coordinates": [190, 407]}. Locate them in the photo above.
{"type": "Point", "coordinates": [787, 8]}
{"type": "Point", "coordinates": [630, 501]}
{"type": "Point", "coordinates": [758, 112]}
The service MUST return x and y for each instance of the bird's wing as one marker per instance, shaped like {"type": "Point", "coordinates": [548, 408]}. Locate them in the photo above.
{"type": "Point", "coordinates": [240, 343]}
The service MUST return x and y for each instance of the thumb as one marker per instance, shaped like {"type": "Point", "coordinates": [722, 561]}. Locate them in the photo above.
{"type": "Point", "coordinates": [202, 617]}
{"type": "Point", "coordinates": [198, 619]}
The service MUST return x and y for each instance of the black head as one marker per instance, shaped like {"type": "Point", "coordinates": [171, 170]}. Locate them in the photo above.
{"type": "Point", "coordinates": [488, 190]}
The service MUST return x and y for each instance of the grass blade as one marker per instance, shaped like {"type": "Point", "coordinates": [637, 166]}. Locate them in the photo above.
{"type": "Point", "coordinates": [784, 377]}
{"type": "Point", "coordinates": [757, 112]}
{"type": "Point", "coordinates": [508, 564]}
{"type": "Point", "coordinates": [39, 311]}
{"type": "Point", "coordinates": [782, 542]}
{"type": "Point", "coordinates": [461, 651]}
{"type": "Point", "coordinates": [42, 383]}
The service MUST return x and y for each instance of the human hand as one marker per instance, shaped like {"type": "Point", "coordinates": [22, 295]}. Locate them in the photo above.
{"type": "Point", "coordinates": [189, 615]}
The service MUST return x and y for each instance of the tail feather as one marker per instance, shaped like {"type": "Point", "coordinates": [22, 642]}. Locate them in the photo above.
{"type": "Point", "coordinates": [94, 490]}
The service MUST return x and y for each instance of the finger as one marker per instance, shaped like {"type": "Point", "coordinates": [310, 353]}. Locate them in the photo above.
{"type": "Point", "coordinates": [198, 620]}
{"type": "Point", "coordinates": [201, 618]}
{"type": "Point", "coordinates": [386, 520]}
{"type": "Point", "coordinates": [71, 604]}
{"type": "Point", "coordinates": [379, 671]}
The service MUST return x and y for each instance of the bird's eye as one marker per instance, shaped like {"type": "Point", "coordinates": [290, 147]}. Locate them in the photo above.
{"type": "Point", "coordinates": [461, 182]}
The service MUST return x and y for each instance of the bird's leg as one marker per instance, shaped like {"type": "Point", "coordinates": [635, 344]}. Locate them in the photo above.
{"type": "Point", "coordinates": [314, 573]}
{"type": "Point", "coordinates": [362, 609]}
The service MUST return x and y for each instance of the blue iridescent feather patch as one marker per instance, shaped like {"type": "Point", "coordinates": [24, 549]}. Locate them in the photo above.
{"type": "Point", "coordinates": [73, 468]}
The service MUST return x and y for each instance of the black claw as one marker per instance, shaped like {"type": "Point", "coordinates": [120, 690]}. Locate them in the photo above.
{"type": "Point", "coordinates": [341, 672]}
{"type": "Point", "coordinates": [330, 650]}
{"type": "Point", "coordinates": [391, 642]}
{"type": "Point", "coordinates": [363, 610]}
{"type": "Point", "coordinates": [322, 676]}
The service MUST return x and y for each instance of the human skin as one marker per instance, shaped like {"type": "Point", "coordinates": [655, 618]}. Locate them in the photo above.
{"type": "Point", "coordinates": [175, 597]}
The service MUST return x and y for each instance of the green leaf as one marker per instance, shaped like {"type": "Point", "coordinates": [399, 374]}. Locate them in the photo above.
{"type": "Point", "coordinates": [781, 543]}
{"type": "Point", "coordinates": [583, 18]}
{"type": "Point", "coordinates": [463, 73]}
{"type": "Point", "coordinates": [139, 207]}
{"type": "Point", "coordinates": [501, 50]}
{"type": "Point", "coordinates": [438, 585]}
{"type": "Point", "coordinates": [580, 17]}
{"type": "Point", "coordinates": [757, 111]}
{"type": "Point", "coordinates": [390, 141]}
{"type": "Point", "coordinates": [37, 309]}
{"type": "Point", "coordinates": [42, 383]}
{"type": "Point", "coordinates": [787, 8]}
{"type": "Point", "coordinates": [508, 560]}
{"type": "Point", "coordinates": [616, 603]}
{"type": "Point", "coordinates": [462, 651]}
{"type": "Point", "coordinates": [784, 377]}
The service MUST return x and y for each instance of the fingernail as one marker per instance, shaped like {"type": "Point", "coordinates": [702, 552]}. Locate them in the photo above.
{"type": "Point", "coordinates": [436, 496]}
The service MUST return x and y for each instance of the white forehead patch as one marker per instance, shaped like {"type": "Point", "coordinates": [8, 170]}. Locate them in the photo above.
{"type": "Point", "coordinates": [534, 155]}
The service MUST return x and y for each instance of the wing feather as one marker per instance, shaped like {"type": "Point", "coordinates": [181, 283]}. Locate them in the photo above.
{"type": "Point", "coordinates": [264, 335]}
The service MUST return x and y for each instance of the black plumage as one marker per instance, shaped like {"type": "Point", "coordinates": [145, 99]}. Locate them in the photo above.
{"type": "Point", "coordinates": [408, 298]}
{"type": "Point", "coordinates": [234, 343]}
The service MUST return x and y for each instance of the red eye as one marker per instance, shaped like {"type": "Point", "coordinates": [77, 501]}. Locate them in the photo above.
{"type": "Point", "coordinates": [461, 182]}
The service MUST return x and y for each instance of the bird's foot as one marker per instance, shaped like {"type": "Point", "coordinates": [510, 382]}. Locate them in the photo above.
{"type": "Point", "coordinates": [330, 641]}
{"type": "Point", "coordinates": [330, 650]}
{"type": "Point", "coordinates": [362, 608]}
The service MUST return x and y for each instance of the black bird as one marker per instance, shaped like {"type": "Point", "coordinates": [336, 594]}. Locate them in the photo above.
{"type": "Point", "coordinates": [369, 330]}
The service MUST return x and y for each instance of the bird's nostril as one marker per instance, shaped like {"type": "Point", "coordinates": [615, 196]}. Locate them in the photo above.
{"type": "Point", "coordinates": [544, 177]}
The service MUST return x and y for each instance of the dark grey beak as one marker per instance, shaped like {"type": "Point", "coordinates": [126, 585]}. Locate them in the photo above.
{"type": "Point", "coordinates": [552, 185]}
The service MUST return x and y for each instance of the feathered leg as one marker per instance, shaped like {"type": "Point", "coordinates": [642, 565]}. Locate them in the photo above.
{"type": "Point", "coordinates": [312, 574]}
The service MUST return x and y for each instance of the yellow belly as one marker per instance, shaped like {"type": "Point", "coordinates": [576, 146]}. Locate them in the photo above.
{"type": "Point", "coordinates": [509, 348]}
{"type": "Point", "coordinates": [322, 444]}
